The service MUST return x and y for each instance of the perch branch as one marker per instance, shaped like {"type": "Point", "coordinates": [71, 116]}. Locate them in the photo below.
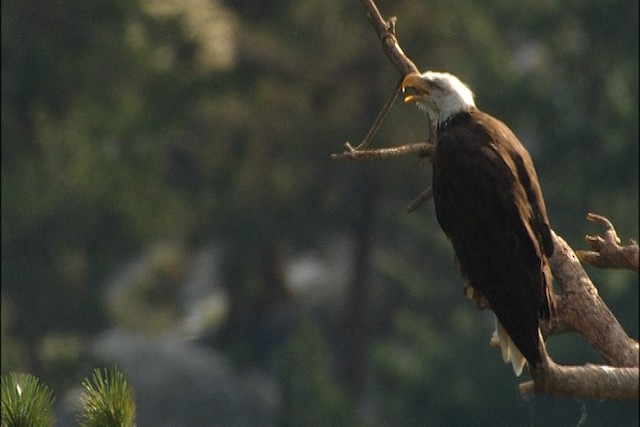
{"type": "Point", "coordinates": [606, 252]}
{"type": "Point", "coordinates": [580, 308]}
{"type": "Point", "coordinates": [589, 381]}
{"type": "Point", "coordinates": [584, 310]}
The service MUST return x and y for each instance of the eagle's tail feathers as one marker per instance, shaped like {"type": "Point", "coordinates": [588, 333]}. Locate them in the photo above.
{"type": "Point", "coordinates": [510, 352]}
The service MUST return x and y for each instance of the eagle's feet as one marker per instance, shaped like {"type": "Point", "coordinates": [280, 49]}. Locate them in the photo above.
{"type": "Point", "coordinates": [476, 296]}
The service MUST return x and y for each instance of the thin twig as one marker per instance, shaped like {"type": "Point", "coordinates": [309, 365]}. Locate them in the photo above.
{"type": "Point", "coordinates": [423, 198]}
{"type": "Point", "coordinates": [381, 116]}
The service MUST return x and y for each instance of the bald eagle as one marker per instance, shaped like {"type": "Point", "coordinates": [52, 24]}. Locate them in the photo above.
{"type": "Point", "coordinates": [489, 203]}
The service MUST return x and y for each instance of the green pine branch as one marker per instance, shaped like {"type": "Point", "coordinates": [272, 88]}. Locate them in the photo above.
{"type": "Point", "coordinates": [107, 401]}
{"type": "Point", "coordinates": [26, 402]}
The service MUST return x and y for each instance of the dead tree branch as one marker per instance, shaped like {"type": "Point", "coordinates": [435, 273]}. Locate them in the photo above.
{"type": "Point", "coordinates": [386, 30]}
{"type": "Point", "coordinates": [423, 149]}
{"type": "Point", "coordinates": [376, 124]}
{"type": "Point", "coordinates": [579, 307]}
{"type": "Point", "coordinates": [599, 382]}
{"type": "Point", "coordinates": [423, 198]}
{"type": "Point", "coordinates": [606, 252]}
{"type": "Point", "coordinates": [584, 310]}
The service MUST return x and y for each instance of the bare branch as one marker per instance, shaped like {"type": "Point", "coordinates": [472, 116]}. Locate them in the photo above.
{"type": "Point", "coordinates": [381, 116]}
{"type": "Point", "coordinates": [386, 31]}
{"type": "Point", "coordinates": [579, 308]}
{"type": "Point", "coordinates": [558, 324]}
{"type": "Point", "coordinates": [584, 310]}
{"type": "Point", "coordinates": [423, 149]}
{"type": "Point", "coordinates": [423, 198]}
{"type": "Point", "coordinates": [588, 381]}
{"type": "Point", "coordinates": [606, 252]}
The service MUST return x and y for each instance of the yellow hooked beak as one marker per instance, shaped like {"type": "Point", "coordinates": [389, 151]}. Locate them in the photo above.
{"type": "Point", "coordinates": [414, 81]}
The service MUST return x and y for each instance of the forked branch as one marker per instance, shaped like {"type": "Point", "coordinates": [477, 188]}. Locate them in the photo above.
{"type": "Point", "coordinates": [606, 252]}
{"type": "Point", "coordinates": [386, 30]}
{"type": "Point", "coordinates": [581, 309]}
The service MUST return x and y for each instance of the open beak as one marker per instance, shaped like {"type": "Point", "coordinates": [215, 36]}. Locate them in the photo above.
{"type": "Point", "coordinates": [414, 81]}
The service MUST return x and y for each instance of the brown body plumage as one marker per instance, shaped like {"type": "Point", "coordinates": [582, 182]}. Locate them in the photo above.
{"type": "Point", "coordinates": [489, 203]}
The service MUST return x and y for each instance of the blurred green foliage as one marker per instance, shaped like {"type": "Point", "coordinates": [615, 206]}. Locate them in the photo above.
{"type": "Point", "coordinates": [310, 395]}
{"type": "Point", "coordinates": [125, 123]}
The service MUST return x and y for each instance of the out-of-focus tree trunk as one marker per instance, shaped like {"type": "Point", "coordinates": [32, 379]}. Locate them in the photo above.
{"type": "Point", "coordinates": [356, 332]}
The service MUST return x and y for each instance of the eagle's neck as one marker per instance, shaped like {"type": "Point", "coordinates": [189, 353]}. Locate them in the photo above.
{"type": "Point", "coordinates": [453, 119]}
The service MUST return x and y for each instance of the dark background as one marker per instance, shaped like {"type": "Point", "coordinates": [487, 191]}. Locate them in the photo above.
{"type": "Point", "coordinates": [169, 204]}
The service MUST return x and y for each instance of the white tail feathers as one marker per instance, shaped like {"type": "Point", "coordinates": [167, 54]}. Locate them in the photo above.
{"type": "Point", "coordinates": [510, 352]}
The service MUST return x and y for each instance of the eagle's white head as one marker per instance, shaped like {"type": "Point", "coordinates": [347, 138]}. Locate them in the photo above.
{"type": "Point", "coordinates": [442, 95]}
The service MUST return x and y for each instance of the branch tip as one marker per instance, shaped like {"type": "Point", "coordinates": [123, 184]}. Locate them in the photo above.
{"type": "Point", "coordinates": [607, 252]}
{"type": "Point", "coordinates": [423, 198]}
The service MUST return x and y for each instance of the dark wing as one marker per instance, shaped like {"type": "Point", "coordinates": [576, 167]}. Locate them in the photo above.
{"type": "Point", "coordinates": [529, 180]}
{"type": "Point", "coordinates": [539, 228]}
{"type": "Point", "coordinates": [498, 235]}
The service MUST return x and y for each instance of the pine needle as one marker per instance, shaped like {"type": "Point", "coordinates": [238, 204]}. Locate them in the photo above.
{"type": "Point", "coordinates": [107, 401]}
{"type": "Point", "coordinates": [26, 402]}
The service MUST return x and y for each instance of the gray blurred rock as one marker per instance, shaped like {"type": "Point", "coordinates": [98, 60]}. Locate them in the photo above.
{"type": "Point", "coordinates": [181, 384]}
